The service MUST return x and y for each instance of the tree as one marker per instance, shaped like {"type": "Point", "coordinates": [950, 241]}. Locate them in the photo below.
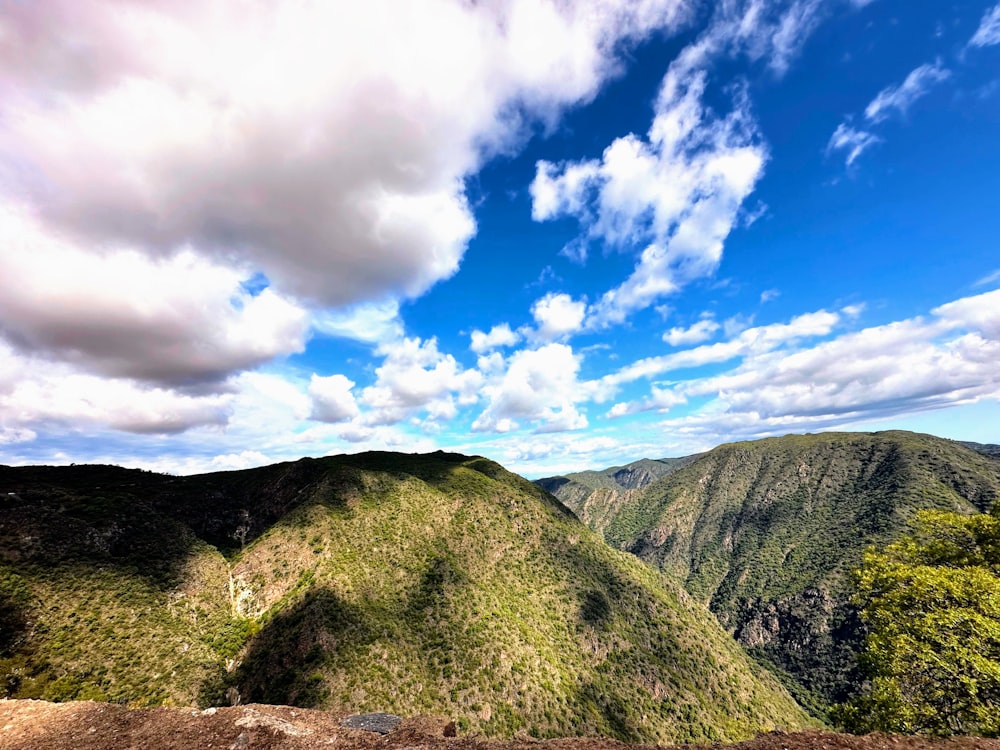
{"type": "Point", "coordinates": [932, 606]}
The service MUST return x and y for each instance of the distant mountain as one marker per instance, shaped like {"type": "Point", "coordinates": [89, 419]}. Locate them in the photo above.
{"type": "Point", "coordinates": [766, 533]}
{"type": "Point", "coordinates": [987, 449]}
{"type": "Point", "coordinates": [595, 496]}
{"type": "Point", "coordinates": [414, 584]}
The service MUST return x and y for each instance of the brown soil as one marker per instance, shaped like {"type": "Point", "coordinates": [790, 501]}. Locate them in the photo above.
{"type": "Point", "coordinates": [38, 725]}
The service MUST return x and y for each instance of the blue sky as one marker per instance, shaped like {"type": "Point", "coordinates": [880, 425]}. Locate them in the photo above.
{"type": "Point", "coordinates": [560, 235]}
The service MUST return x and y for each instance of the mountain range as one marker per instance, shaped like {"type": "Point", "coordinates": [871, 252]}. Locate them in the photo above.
{"type": "Point", "coordinates": [666, 600]}
{"type": "Point", "coordinates": [413, 584]}
{"type": "Point", "coordinates": [766, 533]}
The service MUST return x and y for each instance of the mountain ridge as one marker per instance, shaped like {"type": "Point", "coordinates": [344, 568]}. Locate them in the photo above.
{"type": "Point", "coordinates": [766, 533]}
{"type": "Point", "coordinates": [419, 584]}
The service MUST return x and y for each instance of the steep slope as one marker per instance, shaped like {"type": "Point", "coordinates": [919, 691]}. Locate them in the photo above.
{"type": "Point", "coordinates": [415, 584]}
{"type": "Point", "coordinates": [987, 449]}
{"type": "Point", "coordinates": [766, 532]}
{"type": "Point", "coordinates": [597, 496]}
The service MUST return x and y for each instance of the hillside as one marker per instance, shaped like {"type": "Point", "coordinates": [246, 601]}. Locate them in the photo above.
{"type": "Point", "coordinates": [415, 584]}
{"type": "Point", "coordinates": [766, 532]}
{"type": "Point", "coordinates": [596, 496]}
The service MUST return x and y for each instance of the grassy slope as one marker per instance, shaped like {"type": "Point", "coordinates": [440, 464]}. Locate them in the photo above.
{"type": "Point", "coordinates": [765, 532]}
{"type": "Point", "coordinates": [381, 581]}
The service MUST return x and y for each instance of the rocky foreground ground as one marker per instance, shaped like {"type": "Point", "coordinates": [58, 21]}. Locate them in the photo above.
{"type": "Point", "coordinates": [38, 725]}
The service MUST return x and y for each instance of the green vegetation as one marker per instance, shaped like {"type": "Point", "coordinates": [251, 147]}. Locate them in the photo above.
{"type": "Point", "coordinates": [767, 532]}
{"type": "Point", "coordinates": [932, 605]}
{"type": "Point", "coordinates": [597, 496]}
{"type": "Point", "coordinates": [437, 583]}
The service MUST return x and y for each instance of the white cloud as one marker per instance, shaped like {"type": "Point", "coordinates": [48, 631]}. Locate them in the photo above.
{"type": "Point", "coordinates": [791, 31]}
{"type": "Point", "coordinates": [332, 399]}
{"type": "Point", "coordinates": [694, 334]}
{"type": "Point", "coordinates": [541, 455]}
{"type": "Point", "coordinates": [372, 322]}
{"type": "Point", "coordinates": [334, 163]}
{"type": "Point", "coordinates": [988, 32]}
{"type": "Point", "coordinates": [898, 368]}
{"type": "Point", "coordinates": [499, 336]}
{"type": "Point", "coordinates": [34, 393]}
{"type": "Point", "coordinates": [243, 460]}
{"type": "Point", "coordinates": [680, 191]}
{"type": "Point", "coordinates": [677, 193]}
{"type": "Point", "coordinates": [751, 340]}
{"type": "Point", "coordinates": [768, 295]}
{"type": "Point", "coordinates": [853, 141]}
{"type": "Point", "coordinates": [771, 31]}
{"type": "Point", "coordinates": [173, 320]}
{"type": "Point", "coordinates": [980, 313]}
{"type": "Point", "coordinates": [990, 278]}
{"type": "Point", "coordinates": [539, 386]}
{"type": "Point", "coordinates": [557, 316]}
{"type": "Point", "coordinates": [902, 97]}
{"type": "Point", "coordinates": [415, 376]}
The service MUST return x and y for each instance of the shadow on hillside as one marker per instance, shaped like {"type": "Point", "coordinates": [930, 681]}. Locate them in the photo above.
{"type": "Point", "coordinates": [147, 524]}
{"type": "Point", "coordinates": [285, 661]}
{"type": "Point", "coordinates": [65, 521]}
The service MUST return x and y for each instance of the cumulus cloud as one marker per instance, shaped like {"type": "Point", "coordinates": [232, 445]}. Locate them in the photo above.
{"type": "Point", "coordinates": [332, 399]}
{"type": "Point", "coordinates": [557, 316]}
{"type": "Point", "coordinates": [174, 320]}
{"type": "Point", "coordinates": [36, 393]}
{"type": "Point", "coordinates": [697, 332]}
{"type": "Point", "coordinates": [188, 187]}
{"type": "Point", "coordinates": [676, 194]}
{"type": "Point", "coordinates": [853, 141]}
{"type": "Point", "coordinates": [901, 97]}
{"type": "Point", "coordinates": [988, 32]}
{"type": "Point", "coordinates": [679, 190]}
{"type": "Point", "coordinates": [498, 336]}
{"type": "Point", "coordinates": [323, 144]}
{"type": "Point", "coordinates": [415, 376]}
{"type": "Point", "coordinates": [539, 386]}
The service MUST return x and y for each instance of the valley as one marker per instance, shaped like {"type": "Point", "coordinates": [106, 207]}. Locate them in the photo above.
{"type": "Point", "coordinates": [766, 533]}
{"type": "Point", "coordinates": [415, 584]}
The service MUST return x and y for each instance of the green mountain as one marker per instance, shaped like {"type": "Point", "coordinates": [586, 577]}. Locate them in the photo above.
{"type": "Point", "coordinates": [766, 533]}
{"type": "Point", "coordinates": [597, 496]}
{"type": "Point", "coordinates": [414, 584]}
{"type": "Point", "coordinates": [987, 449]}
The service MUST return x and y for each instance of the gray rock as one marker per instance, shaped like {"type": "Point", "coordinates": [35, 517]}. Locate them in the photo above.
{"type": "Point", "coordinates": [380, 723]}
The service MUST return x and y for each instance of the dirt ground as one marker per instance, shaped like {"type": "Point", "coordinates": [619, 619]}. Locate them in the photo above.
{"type": "Point", "coordinates": [38, 725]}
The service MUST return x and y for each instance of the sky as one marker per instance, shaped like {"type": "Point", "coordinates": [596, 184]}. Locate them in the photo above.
{"type": "Point", "coordinates": [562, 235]}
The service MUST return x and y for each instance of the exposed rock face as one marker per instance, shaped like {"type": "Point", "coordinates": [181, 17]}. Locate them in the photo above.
{"type": "Point", "coordinates": [810, 635]}
{"type": "Point", "coordinates": [635, 477]}
{"type": "Point", "coordinates": [379, 723]}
